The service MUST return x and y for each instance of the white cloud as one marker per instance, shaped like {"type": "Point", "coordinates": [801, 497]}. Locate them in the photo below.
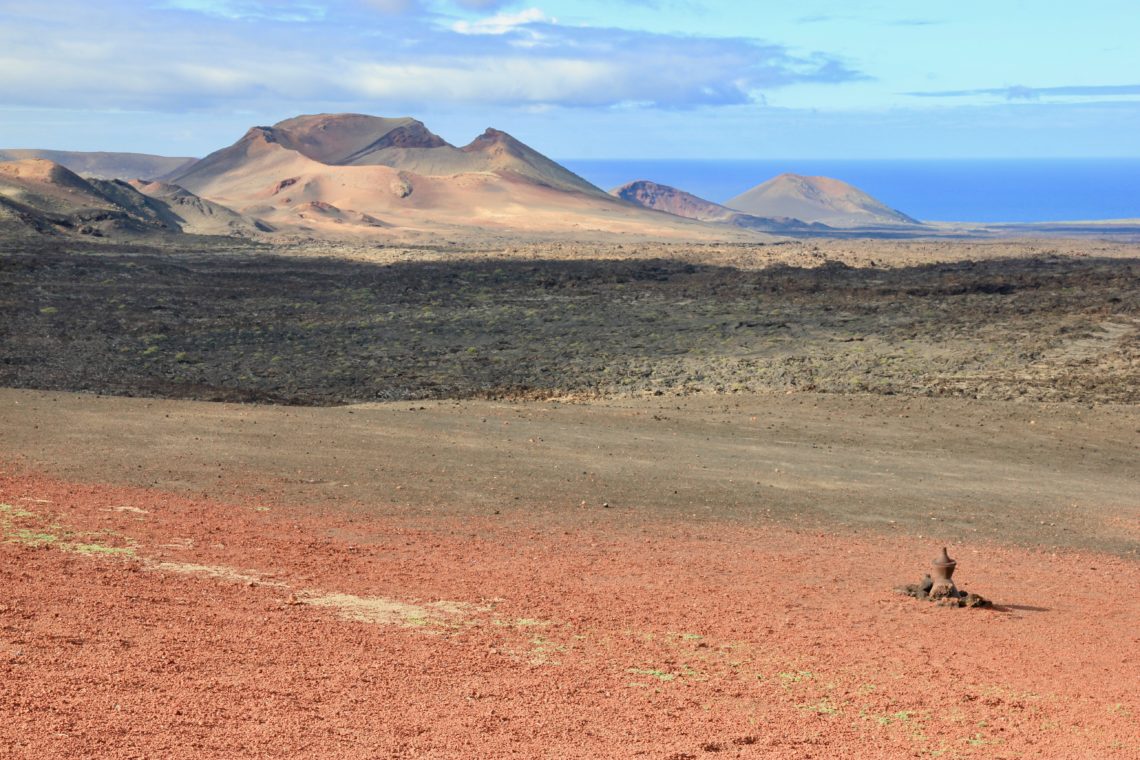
{"type": "Point", "coordinates": [503, 23]}
{"type": "Point", "coordinates": [139, 56]}
{"type": "Point", "coordinates": [497, 80]}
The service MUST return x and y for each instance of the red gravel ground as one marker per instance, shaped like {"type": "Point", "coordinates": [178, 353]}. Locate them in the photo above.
{"type": "Point", "coordinates": [136, 623]}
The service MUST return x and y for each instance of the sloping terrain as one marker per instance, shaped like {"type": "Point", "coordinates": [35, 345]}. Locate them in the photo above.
{"type": "Point", "coordinates": [817, 199]}
{"type": "Point", "coordinates": [104, 165]}
{"type": "Point", "coordinates": [198, 216]}
{"type": "Point", "coordinates": [365, 173]}
{"type": "Point", "coordinates": [43, 198]}
{"type": "Point", "coordinates": [346, 176]}
{"type": "Point", "coordinates": [46, 198]}
{"type": "Point", "coordinates": [659, 578]}
{"type": "Point", "coordinates": [680, 203]}
{"type": "Point", "coordinates": [18, 221]}
{"type": "Point", "coordinates": [406, 144]}
{"type": "Point", "coordinates": [672, 201]}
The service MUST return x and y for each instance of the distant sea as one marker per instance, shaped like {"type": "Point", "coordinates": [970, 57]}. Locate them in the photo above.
{"type": "Point", "coordinates": [1008, 190]}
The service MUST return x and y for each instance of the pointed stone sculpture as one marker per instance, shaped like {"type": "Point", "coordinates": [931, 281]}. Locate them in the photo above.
{"type": "Point", "coordinates": [943, 569]}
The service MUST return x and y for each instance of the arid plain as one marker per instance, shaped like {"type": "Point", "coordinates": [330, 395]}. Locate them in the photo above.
{"type": "Point", "coordinates": [554, 499]}
{"type": "Point", "coordinates": [504, 380]}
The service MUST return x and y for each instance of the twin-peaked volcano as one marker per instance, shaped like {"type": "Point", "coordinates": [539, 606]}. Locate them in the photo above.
{"type": "Point", "coordinates": [356, 140]}
{"type": "Point", "coordinates": [337, 172]}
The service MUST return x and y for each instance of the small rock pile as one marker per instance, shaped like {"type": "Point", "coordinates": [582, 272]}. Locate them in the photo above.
{"type": "Point", "coordinates": [940, 589]}
{"type": "Point", "coordinates": [955, 598]}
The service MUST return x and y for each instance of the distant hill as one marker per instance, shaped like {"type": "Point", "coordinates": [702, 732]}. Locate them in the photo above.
{"type": "Point", "coordinates": [672, 201]}
{"type": "Point", "coordinates": [41, 197]}
{"type": "Point", "coordinates": [817, 199]}
{"type": "Point", "coordinates": [404, 144]}
{"type": "Point", "coordinates": [344, 176]}
{"type": "Point", "coordinates": [337, 172]}
{"type": "Point", "coordinates": [104, 165]}
{"type": "Point", "coordinates": [680, 203]}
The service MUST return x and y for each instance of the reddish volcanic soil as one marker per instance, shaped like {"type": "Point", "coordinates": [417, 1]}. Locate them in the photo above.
{"type": "Point", "coordinates": [138, 623]}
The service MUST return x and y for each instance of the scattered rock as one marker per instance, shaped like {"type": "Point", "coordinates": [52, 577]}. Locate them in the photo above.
{"type": "Point", "coordinates": [401, 187]}
{"type": "Point", "coordinates": [922, 589]}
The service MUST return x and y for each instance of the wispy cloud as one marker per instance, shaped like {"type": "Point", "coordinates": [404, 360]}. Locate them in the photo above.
{"type": "Point", "coordinates": [282, 10]}
{"type": "Point", "coordinates": [502, 23]}
{"type": "Point", "coordinates": [1021, 92]}
{"type": "Point", "coordinates": [827, 18]}
{"type": "Point", "coordinates": [135, 55]}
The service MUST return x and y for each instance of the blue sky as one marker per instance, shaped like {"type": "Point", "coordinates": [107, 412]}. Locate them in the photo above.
{"type": "Point", "coordinates": [585, 78]}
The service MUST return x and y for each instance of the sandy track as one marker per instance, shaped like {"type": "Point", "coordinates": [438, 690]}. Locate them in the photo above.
{"type": "Point", "coordinates": [253, 629]}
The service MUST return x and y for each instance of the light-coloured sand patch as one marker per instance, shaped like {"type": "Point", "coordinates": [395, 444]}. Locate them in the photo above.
{"type": "Point", "coordinates": [373, 609]}
{"type": "Point", "coordinates": [220, 572]}
{"type": "Point", "coordinates": [125, 508]}
{"type": "Point", "coordinates": [362, 609]}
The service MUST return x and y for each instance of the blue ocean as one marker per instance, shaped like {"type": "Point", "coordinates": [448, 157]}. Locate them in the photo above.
{"type": "Point", "coordinates": [1010, 190]}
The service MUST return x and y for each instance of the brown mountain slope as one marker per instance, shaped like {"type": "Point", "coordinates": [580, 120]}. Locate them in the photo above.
{"type": "Point", "coordinates": [51, 199]}
{"type": "Point", "coordinates": [354, 174]}
{"type": "Point", "coordinates": [104, 165]}
{"type": "Point", "coordinates": [680, 203]}
{"type": "Point", "coordinates": [198, 216]}
{"type": "Point", "coordinates": [46, 179]}
{"type": "Point", "coordinates": [403, 144]}
{"type": "Point", "coordinates": [817, 199]}
{"type": "Point", "coordinates": [342, 139]}
{"type": "Point", "coordinates": [18, 220]}
{"type": "Point", "coordinates": [672, 201]}
{"type": "Point", "coordinates": [42, 197]}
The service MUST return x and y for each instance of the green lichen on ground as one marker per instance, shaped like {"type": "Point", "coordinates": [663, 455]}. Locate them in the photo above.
{"type": "Point", "coordinates": [27, 528]}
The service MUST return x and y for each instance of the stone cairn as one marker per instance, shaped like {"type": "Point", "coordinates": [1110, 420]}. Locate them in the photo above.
{"type": "Point", "coordinates": [938, 587]}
